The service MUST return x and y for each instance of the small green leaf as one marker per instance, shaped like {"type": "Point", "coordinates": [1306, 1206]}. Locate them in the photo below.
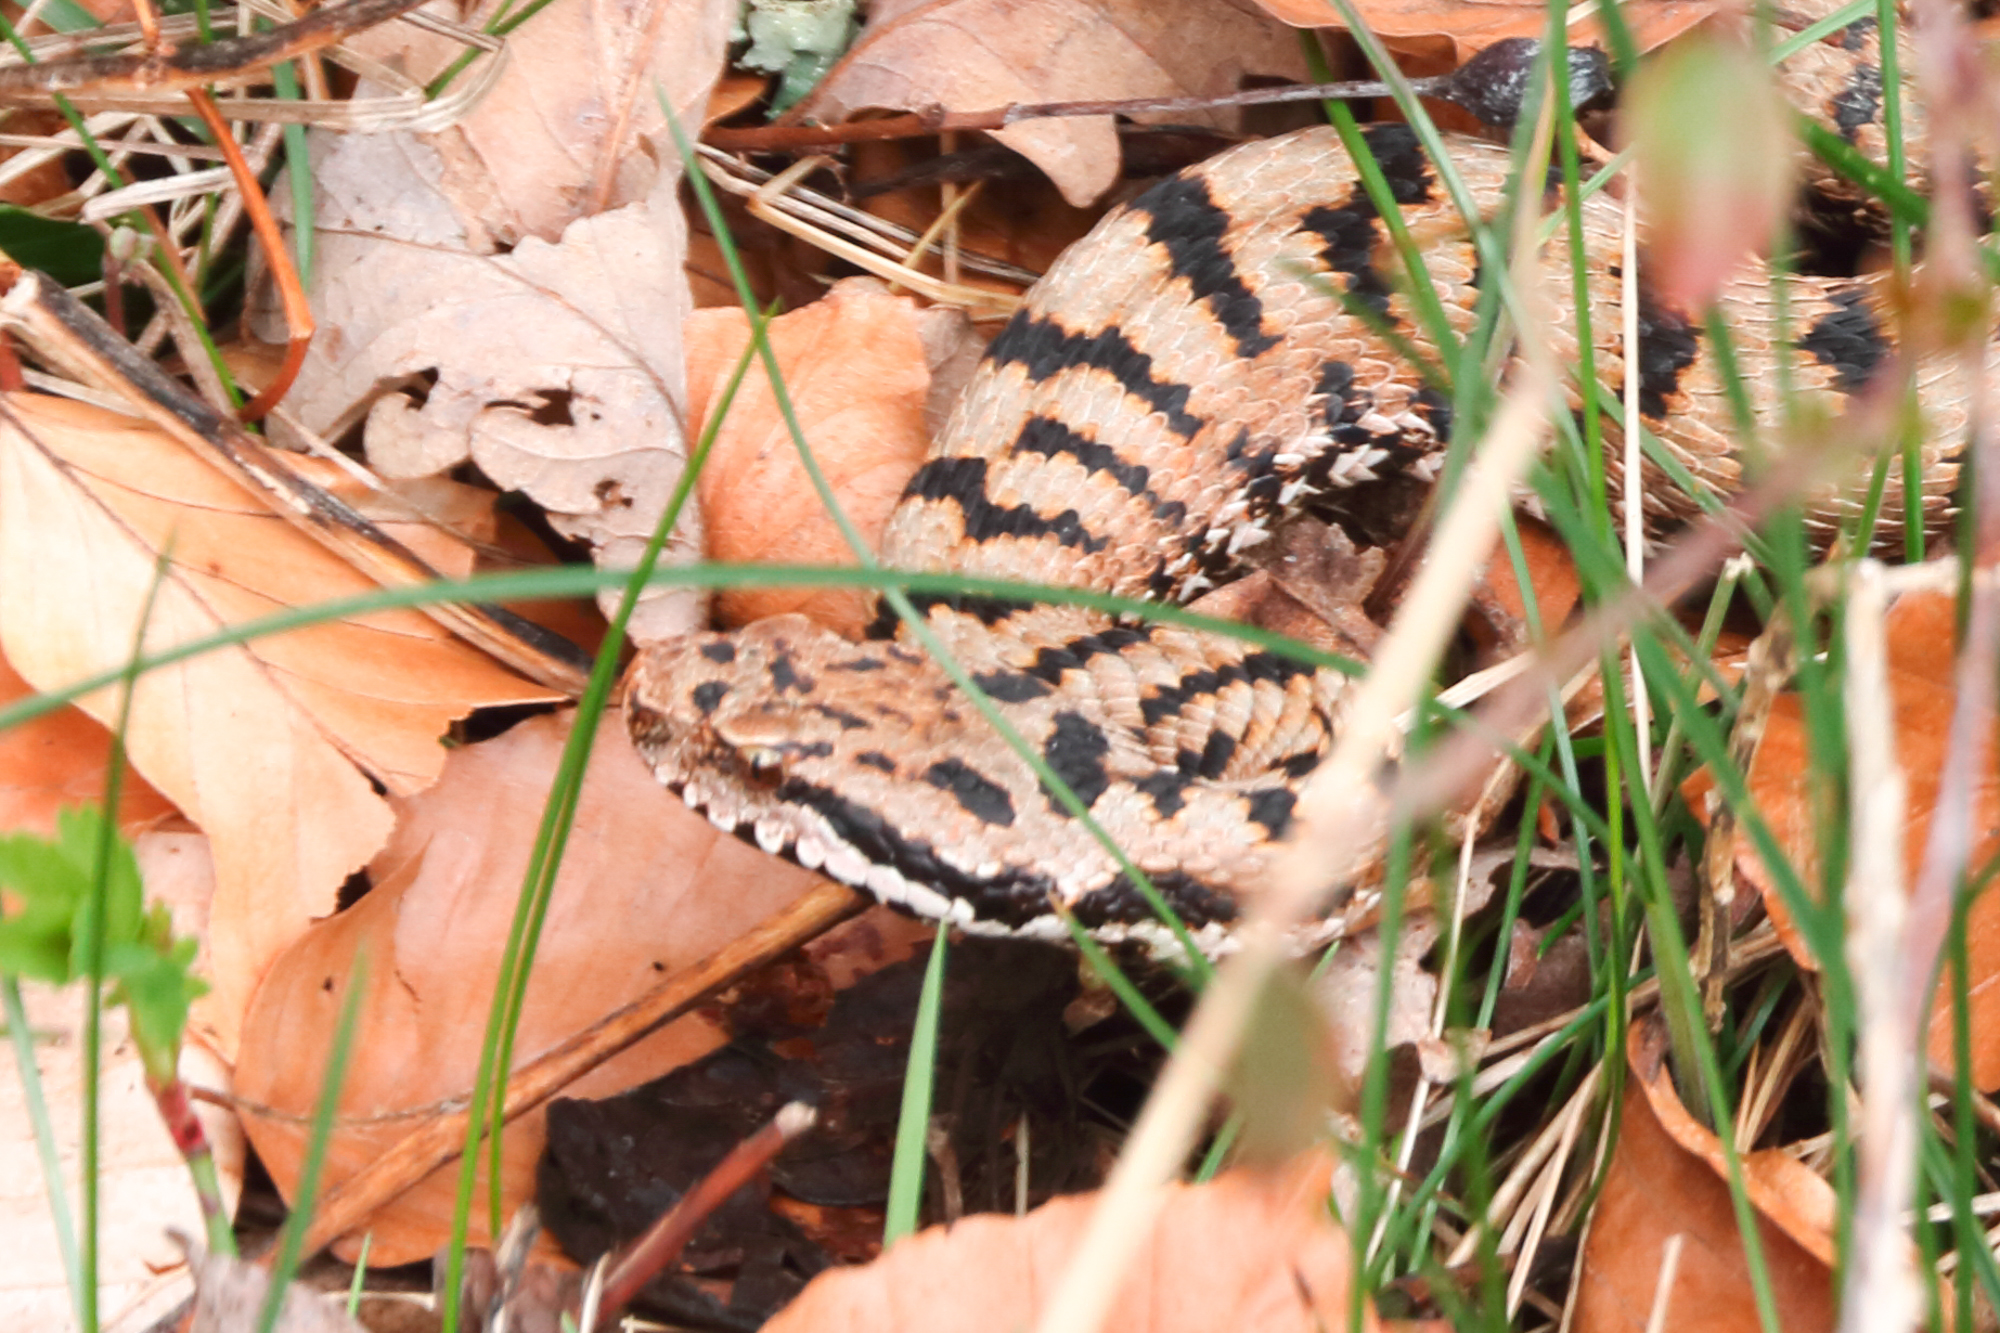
{"type": "Point", "coordinates": [69, 252]}
{"type": "Point", "coordinates": [47, 884]}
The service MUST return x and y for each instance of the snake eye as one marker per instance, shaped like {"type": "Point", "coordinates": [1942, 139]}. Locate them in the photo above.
{"type": "Point", "coordinates": [763, 756]}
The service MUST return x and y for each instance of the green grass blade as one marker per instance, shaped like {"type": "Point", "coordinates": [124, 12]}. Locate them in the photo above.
{"type": "Point", "coordinates": [291, 1239]}
{"type": "Point", "coordinates": [913, 1122]}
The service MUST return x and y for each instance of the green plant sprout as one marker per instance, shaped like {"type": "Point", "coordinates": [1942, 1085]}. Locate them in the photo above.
{"type": "Point", "coordinates": [74, 908]}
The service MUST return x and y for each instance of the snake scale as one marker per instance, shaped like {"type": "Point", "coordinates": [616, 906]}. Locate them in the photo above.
{"type": "Point", "coordinates": [1179, 382]}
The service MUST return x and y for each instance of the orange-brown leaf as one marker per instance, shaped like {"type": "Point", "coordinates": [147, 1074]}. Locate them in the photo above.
{"type": "Point", "coordinates": [1919, 630]}
{"type": "Point", "coordinates": [1668, 1177]}
{"type": "Point", "coordinates": [1473, 25]}
{"type": "Point", "coordinates": [647, 887]}
{"type": "Point", "coordinates": [60, 759]}
{"type": "Point", "coordinates": [855, 371]}
{"type": "Point", "coordinates": [1247, 1250]}
{"type": "Point", "coordinates": [273, 747]}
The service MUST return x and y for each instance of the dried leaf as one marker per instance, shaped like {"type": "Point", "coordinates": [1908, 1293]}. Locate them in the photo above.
{"type": "Point", "coordinates": [529, 262]}
{"type": "Point", "coordinates": [272, 747]}
{"type": "Point", "coordinates": [647, 887]}
{"type": "Point", "coordinates": [58, 760]}
{"type": "Point", "coordinates": [1781, 783]}
{"type": "Point", "coordinates": [975, 55]}
{"type": "Point", "coordinates": [1473, 25]}
{"type": "Point", "coordinates": [1246, 1250]}
{"type": "Point", "coordinates": [573, 125]}
{"type": "Point", "coordinates": [1668, 1177]}
{"type": "Point", "coordinates": [855, 372]}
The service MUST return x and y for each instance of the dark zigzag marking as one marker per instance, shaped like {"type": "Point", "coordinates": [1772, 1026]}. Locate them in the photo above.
{"type": "Point", "coordinates": [980, 796]}
{"type": "Point", "coordinates": [963, 482]}
{"type": "Point", "coordinates": [1169, 700]}
{"type": "Point", "coordinates": [1043, 348]}
{"type": "Point", "coordinates": [1350, 231]}
{"type": "Point", "coordinates": [1012, 897]}
{"type": "Point", "coordinates": [1859, 102]}
{"type": "Point", "coordinates": [1186, 220]}
{"type": "Point", "coordinates": [1848, 340]}
{"type": "Point", "coordinates": [1668, 345]}
{"type": "Point", "coordinates": [1075, 752]}
{"type": "Point", "coordinates": [1048, 437]}
{"type": "Point", "coordinates": [1050, 663]}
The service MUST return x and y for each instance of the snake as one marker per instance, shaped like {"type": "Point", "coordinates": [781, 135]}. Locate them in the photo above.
{"type": "Point", "coordinates": [1220, 352]}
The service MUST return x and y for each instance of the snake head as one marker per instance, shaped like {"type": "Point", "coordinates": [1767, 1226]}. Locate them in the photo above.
{"type": "Point", "coordinates": [783, 731]}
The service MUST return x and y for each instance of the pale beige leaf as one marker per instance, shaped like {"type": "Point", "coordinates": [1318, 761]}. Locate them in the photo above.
{"type": "Point", "coordinates": [1247, 1250]}
{"type": "Point", "coordinates": [528, 264]}
{"type": "Point", "coordinates": [273, 747]}
{"type": "Point", "coordinates": [647, 887]}
{"type": "Point", "coordinates": [230, 1294]}
{"type": "Point", "coordinates": [976, 55]}
{"type": "Point", "coordinates": [854, 369]}
{"type": "Point", "coordinates": [573, 126]}
{"type": "Point", "coordinates": [143, 1178]}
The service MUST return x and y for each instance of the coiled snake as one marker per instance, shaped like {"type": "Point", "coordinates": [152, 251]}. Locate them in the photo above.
{"type": "Point", "coordinates": [1180, 381]}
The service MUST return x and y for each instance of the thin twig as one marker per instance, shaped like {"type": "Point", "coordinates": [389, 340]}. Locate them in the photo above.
{"type": "Point", "coordinates": [666, 1238]}
{"type": "Point", "coordinates": [936, 120]}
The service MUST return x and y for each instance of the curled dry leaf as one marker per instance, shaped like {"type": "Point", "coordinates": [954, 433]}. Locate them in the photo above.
{"type": "Point", "coordinates": [273, 747]}
{"type": "Point", "coordinates": [1668, 1178]}
{"type": "Point", "coordinates": [975, 55]}
{"type": "Point", "coordinates": [1783, 788]}
{"type": "Point", "coordinates": [1246, 1250]}
{"type": "Point", "coordinates": [1471, 27]}
{"type": "Point", "coordinates": [527, 264]}
{"type": "Point", "coordinates": [855, 370]}
{"type": "Point", "coordinates": [647, 887]}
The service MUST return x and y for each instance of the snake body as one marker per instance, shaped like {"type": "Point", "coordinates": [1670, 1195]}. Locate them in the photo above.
{"type": "Point", "coordinates": [1178, 383]}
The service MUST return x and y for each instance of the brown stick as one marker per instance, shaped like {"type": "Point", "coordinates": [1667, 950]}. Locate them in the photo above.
{"type": "Point", "coordinates": [441, 1140]}
{"type": "Point", "coordinates": [666, 1238]}
{"type": "Point", "coordinates": [936, 120]}
{"type": "Point", "coordinates": [195, 66]}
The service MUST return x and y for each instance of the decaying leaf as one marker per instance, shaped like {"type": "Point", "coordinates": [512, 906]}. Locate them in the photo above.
{"type": "Point", "coordinates": [526, 265]}
{"type": "Point", "coordinates": [562, 134]}
{"type": "Point", "coordinates": [1247, 1250]}
{"type": "Point", "coordinates": [274, 748]}
{"type": "Point", "coordinates": [1668, 1178]}
{"type": "Point", "coordinates": [230, 1295]}
{"type": "Point", "coordinates": [647, 887]}
{"type": "Point", "coordinates": [855, 371]}
{"type": "Point", "coordinates": [1472, 26]}
{"type": "Point", "coordinates": [975, 55]}
{"type": "Point", "coordinates": [1781, 783]}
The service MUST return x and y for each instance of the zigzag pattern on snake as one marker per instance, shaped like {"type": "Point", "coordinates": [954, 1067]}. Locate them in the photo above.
{"type": "Point", "coordinates": [1179, 382]}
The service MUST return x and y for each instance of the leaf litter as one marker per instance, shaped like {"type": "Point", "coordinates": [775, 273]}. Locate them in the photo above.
{"type": "Point", "coordinates": [505, 300]}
